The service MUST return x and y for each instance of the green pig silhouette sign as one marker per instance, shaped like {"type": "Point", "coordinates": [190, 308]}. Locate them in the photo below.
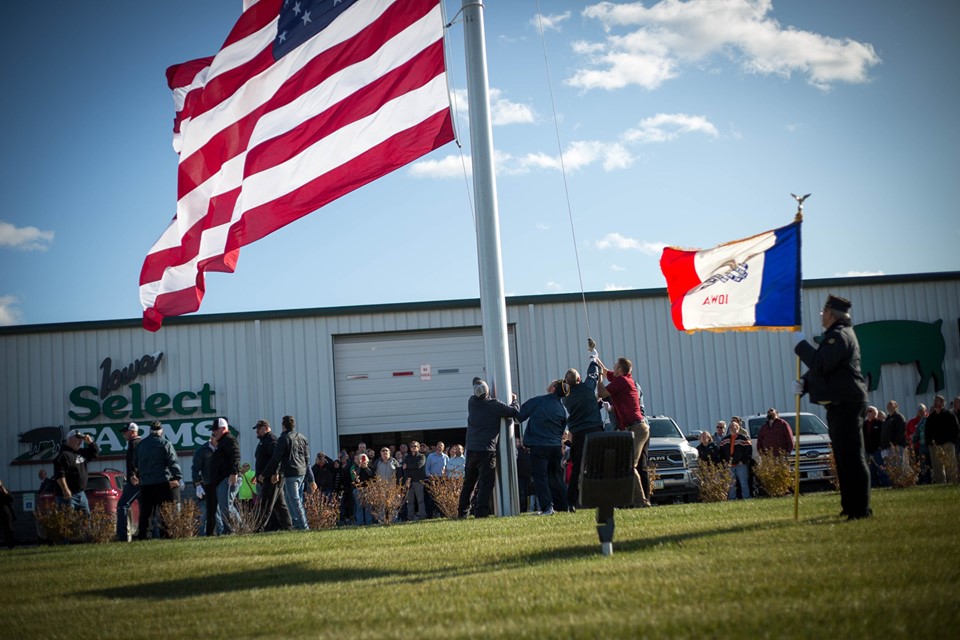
{"type": "Point", "coordinates": [902, 342]}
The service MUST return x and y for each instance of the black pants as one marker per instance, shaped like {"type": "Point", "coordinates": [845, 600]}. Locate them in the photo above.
{"type": "Point", "coordinates": [210, 498]}
{"type": "Point", "coordinates": [545, 463]}
{"type": "Point", "coordinates": [272, 509]}
{"type": "Point", "coordinates": [576, 457]}
{"type": "Point", "coordinates": [479, 472]}
{"type": "Point", "coordinates": [151, 497]}
{"type": "Point", "coordinates": [6, 525]}
{"type": "Point", "coordinates": [845, 423]}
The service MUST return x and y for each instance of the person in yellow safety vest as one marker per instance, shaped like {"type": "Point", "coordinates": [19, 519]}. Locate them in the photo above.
{"type": "Point", "coordinates": [248, 483]}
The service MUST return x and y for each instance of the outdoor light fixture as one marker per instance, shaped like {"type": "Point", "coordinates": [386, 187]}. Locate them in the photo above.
{"type": "Point", "coordinates": [606, 479]}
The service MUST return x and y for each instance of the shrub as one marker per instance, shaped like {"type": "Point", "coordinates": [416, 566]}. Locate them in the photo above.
{"type": "Point", "coordinates": [323, 511]}
{"type": "Point", "coordinates": [182, 522]}
{"type": "Point", "coordinates": [834, 478]}
{"type": "Point", "coordinates": [902, 467]}
{"type": "Point", "coordinates": [714, 481]}
{"type": "Point", "coordinates": [383, 497]}
{"type": "Point", "coordinates": [445, 493]}
{"type": "Point", "coordinates": [250, 518]}
{"type": "Point", "coordinates": [775, 473]}
{"type": "Point", "coordinates": [60, 523]}
{"type": "Point", "coordinates": [99, 527]}
{"type": "Point", "coordinates": [652, 476]}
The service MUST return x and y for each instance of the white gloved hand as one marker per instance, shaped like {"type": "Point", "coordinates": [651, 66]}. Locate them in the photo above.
{"type": "Point", "coordinates": [797, 387]}
{"type": "Point", "coordinates": [200, 492]}
{"type": "Point", "coordinates": [798, 337]}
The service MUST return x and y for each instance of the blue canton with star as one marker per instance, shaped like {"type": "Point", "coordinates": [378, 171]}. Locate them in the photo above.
{"type": "Point", "coordinates": [300, 20]}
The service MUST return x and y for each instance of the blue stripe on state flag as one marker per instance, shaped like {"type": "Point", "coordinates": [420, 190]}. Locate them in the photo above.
{"type": "Point", "coordinates": [300, 20]}
{"type": "Point", "coordinates": [779, 303]}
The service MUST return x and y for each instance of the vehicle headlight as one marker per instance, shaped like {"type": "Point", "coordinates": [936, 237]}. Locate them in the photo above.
{"type": "Point", "coordinates": [690, 457]}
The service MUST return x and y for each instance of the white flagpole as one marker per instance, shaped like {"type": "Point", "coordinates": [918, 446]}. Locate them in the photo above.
{"type": "Point", "coordinates": [493, 307]}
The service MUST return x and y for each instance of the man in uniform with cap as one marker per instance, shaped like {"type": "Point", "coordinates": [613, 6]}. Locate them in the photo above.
{"type": "Point", "coordinates": [833, 379]}
{"type": "Point", "coordinates": [131, 488]}
{"type": "Point", "coordinates": [272, 509]}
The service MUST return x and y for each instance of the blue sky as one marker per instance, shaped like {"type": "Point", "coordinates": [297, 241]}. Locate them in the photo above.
{"type": "Point", "coordinates": [682, 123]}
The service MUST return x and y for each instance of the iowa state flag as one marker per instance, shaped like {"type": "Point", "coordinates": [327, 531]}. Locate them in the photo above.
{"type": "Point", "coordinates": [742, 285]}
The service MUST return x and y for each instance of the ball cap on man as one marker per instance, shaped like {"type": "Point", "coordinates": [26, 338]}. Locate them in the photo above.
{"type": "Point", "coordinates": [480, 389]}
{"type": "Point", "coordinates": [220, 423]}
{"type": "Point", "coordinates": [837, 303]}
{"type": "Point", "coordinates": [133, 427]}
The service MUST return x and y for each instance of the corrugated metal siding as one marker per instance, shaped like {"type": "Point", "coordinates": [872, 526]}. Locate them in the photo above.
{"type": "Point", "coordinates": [278, 365]}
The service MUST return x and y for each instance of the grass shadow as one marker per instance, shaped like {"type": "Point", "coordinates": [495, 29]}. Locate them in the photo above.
{"type": "Point", "coordinates": [285, 575]}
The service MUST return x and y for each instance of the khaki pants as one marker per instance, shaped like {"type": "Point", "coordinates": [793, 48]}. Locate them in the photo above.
{"type": "Point", "coordinates": [943, 462]}
{"type": "Point", "coordinates": [641, 435]}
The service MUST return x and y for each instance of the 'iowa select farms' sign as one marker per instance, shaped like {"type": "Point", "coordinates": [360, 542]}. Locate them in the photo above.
{"type": "Point", "coordinates": [187, 416]}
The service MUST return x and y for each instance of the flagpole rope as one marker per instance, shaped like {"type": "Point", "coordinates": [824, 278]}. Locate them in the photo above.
{"type": "Point", "coordinates": [563, 170]}
{"type": "Point", "coordinates": [456, 113]}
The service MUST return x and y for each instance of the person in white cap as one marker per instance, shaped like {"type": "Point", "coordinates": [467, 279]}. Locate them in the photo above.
{"type": "Point", "coordinates": [131, 488]}
{"type": "Point", "coordinates": [226, 477]}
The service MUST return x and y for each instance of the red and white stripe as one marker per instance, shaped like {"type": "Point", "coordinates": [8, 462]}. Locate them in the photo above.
{"type": "Point", "coordinates": [263, 142]}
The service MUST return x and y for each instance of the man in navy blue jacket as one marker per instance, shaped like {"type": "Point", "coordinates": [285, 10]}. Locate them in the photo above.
{"type": "Point", "coordinates": [483, 432]}
{"type": "Point", "coordinates": [546, 420]}
{"type": "Point", "coordinates": [583, 418]}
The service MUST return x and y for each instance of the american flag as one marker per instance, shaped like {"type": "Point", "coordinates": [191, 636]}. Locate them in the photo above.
{"type": "Point", "coordinates": [306, 101]}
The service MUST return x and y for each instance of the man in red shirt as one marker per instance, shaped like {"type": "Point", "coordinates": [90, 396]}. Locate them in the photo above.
{"type": "Point", "coordinates": [775, 436]}
{"type": "Point", "coordinates": [625, 398]}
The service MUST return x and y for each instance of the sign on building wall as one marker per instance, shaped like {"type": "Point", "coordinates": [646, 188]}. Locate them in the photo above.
{"type": "Point", "coordinates": [187, 416]}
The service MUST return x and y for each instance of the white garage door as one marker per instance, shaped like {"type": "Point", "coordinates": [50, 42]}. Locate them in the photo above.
{"type": "Point", "coordinates": [408, 381]}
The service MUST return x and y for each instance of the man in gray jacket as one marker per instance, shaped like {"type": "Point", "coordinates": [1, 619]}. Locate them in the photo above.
{"type": "Point", "coordinates": [159, 470]}
{"type": "Point", "coordinates": [290, 460]}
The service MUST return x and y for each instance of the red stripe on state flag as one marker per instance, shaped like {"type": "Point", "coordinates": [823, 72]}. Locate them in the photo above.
{"type": "Point", "coordinates": [679, 269]}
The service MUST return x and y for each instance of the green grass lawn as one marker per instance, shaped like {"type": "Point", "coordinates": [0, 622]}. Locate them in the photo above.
{"type": "Point", "coordinates": [725, 570]}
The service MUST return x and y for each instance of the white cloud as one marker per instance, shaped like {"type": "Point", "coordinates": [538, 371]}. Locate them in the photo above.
{"type": "Point", "coordinates": [24, 238]}
{"type": "Point", "coordinates": [550, 23]}
{"type": "Point", "coordinates": [617, 241]}
{"type": "Point", "coordinates": [857, 274]}
{"type": "Point", "coordinates": [668, 126]}
{"type": "Point", "coordinates": [502, 110]}
{"type": "Point", "coordinates": [615, 287]}
{"type": "Point", "coordinates": [9, 313]}
{"type": "Point", "coordinates": [542, 226]}
{"type": "Point", "coordinates": [553, 286]}
{"type": "Point", "coordinates": [616, 267]}
{"type": "Point", "coordinates": [448, 167]}
{"type": "Point", "coordinates": [673, 33]}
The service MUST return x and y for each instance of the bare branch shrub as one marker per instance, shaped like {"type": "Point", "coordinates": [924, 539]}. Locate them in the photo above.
{"type": "Point", "coordinates": [384, 498]}
{"type": "Point", "coordinates": [60, 523]}
{"type": "Point", "coordinates": [775, 473]}
{"type": "Point", "coordinates": [100, 527]}
{"type": "Point", "coordinates": [714, 481]}
{"type": "Point", "coordinates": [250, 519]}
{"type": "Point", "coordinates": [652, 476]}
{"type": "Point", "coordinates": [834, 478]}
{"type": "Point", "coordinates": [182, 522]}
{"type": "Point", "coordinates": [445, 493]}
{"type": "Point", "coordinates": [323, 511]}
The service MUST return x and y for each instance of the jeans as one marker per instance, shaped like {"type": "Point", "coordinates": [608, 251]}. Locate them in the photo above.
{"type": "Point", "coordinates": [291, 491]}
{"type": "Point", "coordinates": [545, 465]}
{"type": "Point", "coordinates": [227, 504]}
{"type": "Point", "coordinates": [362, 512]}
{"type": "Point", "coordinates": [738, 474]}
{"type": "Point", "coordinates": [130, 493]}
{"type": "Point", "coordinates": [78, 502]}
